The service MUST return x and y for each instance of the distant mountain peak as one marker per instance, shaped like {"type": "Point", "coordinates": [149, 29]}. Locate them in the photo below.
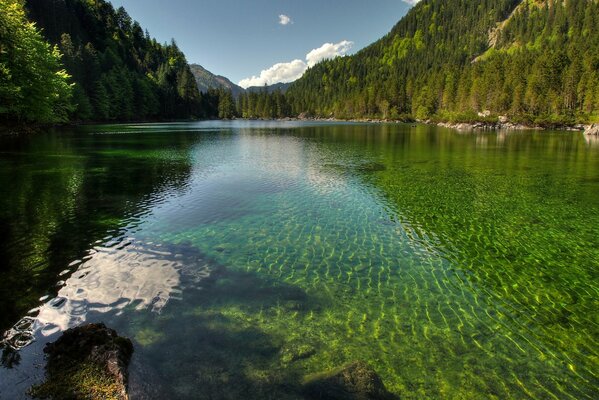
{"type": "Point", "coordinates": [271, 88]}
{"type": "Point", "coordinates": [207, 80]}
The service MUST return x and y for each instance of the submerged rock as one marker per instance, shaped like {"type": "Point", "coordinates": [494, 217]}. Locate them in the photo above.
{"type": "Point", "coordinates": [355, 381]}
{"type": "Point", "coordinates": [296, 351]}
{"type": "Point", "coordinates": [592, 129]}
{"type": "Point", "coordinates": [87, 362]}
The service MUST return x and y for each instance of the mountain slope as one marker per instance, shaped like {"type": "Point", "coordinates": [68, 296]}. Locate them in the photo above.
{"type": "Point", "coordinates": [282, 87]}
{"type": "Point", "coordinates": [541, 65]}
{"type": "Point", "coordinates": [120, 72]}
{"type": "Point", "coordinates": [207, 80]}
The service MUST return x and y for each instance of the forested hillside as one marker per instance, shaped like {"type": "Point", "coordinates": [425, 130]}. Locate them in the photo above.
{"type": "Point", "coordinates": [120, 72]}
{"type": "Point", "coordinates": [534, 61]}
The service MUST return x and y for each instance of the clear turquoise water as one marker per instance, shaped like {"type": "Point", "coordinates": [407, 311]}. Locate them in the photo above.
{"type": "Point", "coordinates": [241, 257]}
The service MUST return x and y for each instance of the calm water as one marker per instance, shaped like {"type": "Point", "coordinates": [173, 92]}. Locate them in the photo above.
{"type": "Point", "coordinates": [242, 256]}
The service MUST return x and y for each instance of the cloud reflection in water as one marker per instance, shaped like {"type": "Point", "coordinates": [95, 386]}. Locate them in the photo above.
{"type": "Point", "coordinates": [127, 274]}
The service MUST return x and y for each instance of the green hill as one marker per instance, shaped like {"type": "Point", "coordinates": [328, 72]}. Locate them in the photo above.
{"type": "Point", "coordinates": [534, 61]}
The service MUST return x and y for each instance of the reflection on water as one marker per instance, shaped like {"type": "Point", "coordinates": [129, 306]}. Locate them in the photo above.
{"type": "Point", "coordinates": [592, 140]}
{"type": "Point", "coordinates": [242, 256]}
{"type": "Point", "coordinates": [111, 279]}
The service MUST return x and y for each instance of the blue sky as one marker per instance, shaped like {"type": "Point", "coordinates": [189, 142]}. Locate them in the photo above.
{"type": "Point", "coordinates": [241, 39]}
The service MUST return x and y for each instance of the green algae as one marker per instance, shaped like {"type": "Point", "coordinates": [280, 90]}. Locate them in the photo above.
{"type": "Point", "coordinates": [87, 381]}
{"type": "Point", "coordinates": [148, 337]}
{"type": "Point", "coordinates": [87, 362]}
{"type": "Point", "coordinates": [426, 272]}
{"type": "Point", "coordinates": [457, 265]}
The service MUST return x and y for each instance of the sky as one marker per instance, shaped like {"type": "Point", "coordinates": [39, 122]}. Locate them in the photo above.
{"type": "Point", "coordinates": [253, 42]}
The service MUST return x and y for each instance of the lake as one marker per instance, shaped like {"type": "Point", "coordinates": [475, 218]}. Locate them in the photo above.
{"type": "Point", "coordinates": [242, 256]}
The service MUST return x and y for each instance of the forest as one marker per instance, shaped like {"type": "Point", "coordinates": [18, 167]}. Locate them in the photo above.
{"type": "Point", "coordinates": [535, 61]}
{"type": "Point", "coordinates": [91, 63]}
{"type": "Point", "coordinates": [532, 61]}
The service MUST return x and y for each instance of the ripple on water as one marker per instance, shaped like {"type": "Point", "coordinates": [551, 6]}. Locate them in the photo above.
{"type": "Point", "coordinates": [457, 271]}
{"type": "Point", "coordinates": [113, 278]}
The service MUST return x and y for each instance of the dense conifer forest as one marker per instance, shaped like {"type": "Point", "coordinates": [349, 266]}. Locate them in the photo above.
{"type": "Point", "coordinates": [534, 61]}
{"type": "Point", "coordinates": [121, 73]}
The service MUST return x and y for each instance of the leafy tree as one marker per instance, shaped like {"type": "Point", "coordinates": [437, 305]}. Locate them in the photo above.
{"type": "Point", "coordinates": [33, 85]}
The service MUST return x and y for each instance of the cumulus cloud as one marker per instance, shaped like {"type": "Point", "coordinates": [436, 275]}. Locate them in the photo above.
{"type": "Point", "coordinates": [293, 70]}
{"type": "Point", "coordinates": [285, 19]}
{"type": "Point", "coordinates": [411, 2]}
{"type": "Point", "coordinates": [328, 50]}
{"type": "Point", "coordinates": [281, 72]}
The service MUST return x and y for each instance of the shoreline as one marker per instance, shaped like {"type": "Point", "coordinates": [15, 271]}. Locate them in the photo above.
{"type": "Point", "coordinates": [502, 124]}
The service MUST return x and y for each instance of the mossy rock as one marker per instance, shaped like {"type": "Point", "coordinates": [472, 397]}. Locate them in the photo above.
{"type": "Point", "coordinates": [355, 381]}
{"type": "Point", "coordinates": [88, 362]}
{"type": "Point", "coordinates": [296, 351]}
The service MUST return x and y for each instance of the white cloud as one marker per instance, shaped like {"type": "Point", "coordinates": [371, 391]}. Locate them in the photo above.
{"type": "Point", "coordinates": [285, 19]}
{"type": "Point", "coordinates": [328, 50]}
{"type": "Point", "coordinates": [293, 70]}
{"type": "Point", "coordinates": [281, 72]}
{"type": "Point", "coordinates": [411, 2]}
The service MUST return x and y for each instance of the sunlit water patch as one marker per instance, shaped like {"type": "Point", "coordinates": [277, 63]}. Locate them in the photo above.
{"type": "Point", "coordinates": [253, 254]}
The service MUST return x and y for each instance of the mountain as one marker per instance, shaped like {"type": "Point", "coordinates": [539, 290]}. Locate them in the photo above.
{"type": "Point", "coordinates": [120, 72]}
{"type": "Point", "coordinates": [207, 80]}
{"type": "Point", "coordinates": [533, 61]}
{"type": "Point", "coordinates": [282, 87]}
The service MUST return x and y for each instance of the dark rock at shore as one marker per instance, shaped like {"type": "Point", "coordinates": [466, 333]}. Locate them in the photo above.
{"type": "Point", "coordinates": [355, 381]}
{"type": "Point", "coordinates": [87, 362]}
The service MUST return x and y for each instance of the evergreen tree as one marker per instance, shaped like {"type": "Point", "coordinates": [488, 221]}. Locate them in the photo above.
{"type": "Point", "coordinates": [535, 61]}
{"type": "Point", "coordinates": [121, 71]}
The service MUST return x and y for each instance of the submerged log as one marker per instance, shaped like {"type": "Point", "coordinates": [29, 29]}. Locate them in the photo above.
{"type": "Point", "coordinates": [87, 362]}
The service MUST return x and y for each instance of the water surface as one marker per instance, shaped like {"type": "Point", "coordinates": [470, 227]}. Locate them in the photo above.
{"type": "Point", "coordinates": [241, 257]}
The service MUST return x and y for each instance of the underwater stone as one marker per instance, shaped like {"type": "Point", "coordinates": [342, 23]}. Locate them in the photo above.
{"type": "Point", "coordinates": [355, 381]}
{"type": "Point", "coordinates": [87, 362]}
{"type": "Point", "coordinates": [294, 352]}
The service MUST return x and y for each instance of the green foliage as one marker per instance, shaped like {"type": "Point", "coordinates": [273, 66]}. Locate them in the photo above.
{"type": "Point", "coordinates": [226, 105]}
{"type": "Point", "coordinates": [263, 104]}
{"type": "Point", "coordinates": [534, 61]}
{"type": "Point", "coordinates": [33, 86]}
{"type": "Point", "coordinates": [122, 74]}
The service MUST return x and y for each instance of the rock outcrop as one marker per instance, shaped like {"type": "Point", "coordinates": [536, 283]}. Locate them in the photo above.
{"type": "Point", "coordinates": [355, 381]}
{"type": "Point", "coordinates": [592, 130]}
{"type": "Point", "coordinates": [87, 362]}
{"type": "Point", "coordinates": [501, 124]}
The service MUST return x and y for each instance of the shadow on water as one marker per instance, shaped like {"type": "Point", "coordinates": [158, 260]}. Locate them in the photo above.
{"type": "Point", "coordinates": [199, 336]}
{"type": "Point", "coordinates": [209, 346]}
{"type": "Point", "coordinates": [59, 193]}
